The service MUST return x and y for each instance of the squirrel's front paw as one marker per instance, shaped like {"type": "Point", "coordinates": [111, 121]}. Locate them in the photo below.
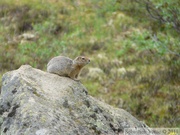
{"type": "Point", "coordinates": [77, 80]}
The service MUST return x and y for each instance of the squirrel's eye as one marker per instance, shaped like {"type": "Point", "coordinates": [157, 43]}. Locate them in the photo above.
{"type": "Point", "coordinates": [83, 58]}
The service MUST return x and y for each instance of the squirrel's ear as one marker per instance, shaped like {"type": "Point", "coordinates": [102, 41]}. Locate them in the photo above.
{"type": "Point", "coordinates": [77, 58]}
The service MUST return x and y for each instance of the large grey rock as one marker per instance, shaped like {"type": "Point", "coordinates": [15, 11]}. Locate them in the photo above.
{"type": "Point", "coordinates": [34, 102]}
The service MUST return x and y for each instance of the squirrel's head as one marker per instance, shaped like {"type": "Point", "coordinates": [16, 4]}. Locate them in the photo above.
{"type": "Point", "coordinates": [82, 60]}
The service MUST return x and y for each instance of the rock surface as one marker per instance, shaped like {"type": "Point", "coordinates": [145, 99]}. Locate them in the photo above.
{"type": "Point", "coordinates": [34, 102]}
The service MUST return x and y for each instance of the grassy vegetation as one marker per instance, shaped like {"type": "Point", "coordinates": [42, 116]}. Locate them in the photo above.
{"type": "Point", "coordinates": [135, 60]}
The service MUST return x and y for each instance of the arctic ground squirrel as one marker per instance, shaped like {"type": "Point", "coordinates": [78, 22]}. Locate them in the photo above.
{"type": "Point", "coordinates": [65, 66]}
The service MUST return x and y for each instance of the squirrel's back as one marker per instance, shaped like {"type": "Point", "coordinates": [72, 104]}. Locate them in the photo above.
{"type": "Point", "coordinates": [60, 65]}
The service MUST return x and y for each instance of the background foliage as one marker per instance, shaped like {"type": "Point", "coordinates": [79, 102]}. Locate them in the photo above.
{"type": "Point", "coordinates": [134, 47]}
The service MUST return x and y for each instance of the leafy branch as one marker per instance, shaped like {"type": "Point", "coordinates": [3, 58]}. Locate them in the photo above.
{"type": "Point", "coordinates": [165, 12]}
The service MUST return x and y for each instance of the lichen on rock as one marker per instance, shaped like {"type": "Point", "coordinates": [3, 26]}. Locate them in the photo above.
{"type": "Point", "coordinates": [34, 102]}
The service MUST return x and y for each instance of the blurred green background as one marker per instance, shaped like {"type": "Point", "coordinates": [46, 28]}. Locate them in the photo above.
{"type": "Point", "coordinates": [134, 47]}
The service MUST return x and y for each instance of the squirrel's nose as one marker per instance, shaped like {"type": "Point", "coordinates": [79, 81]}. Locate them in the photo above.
{"type": "Point", "coordinates": [89, 61]}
